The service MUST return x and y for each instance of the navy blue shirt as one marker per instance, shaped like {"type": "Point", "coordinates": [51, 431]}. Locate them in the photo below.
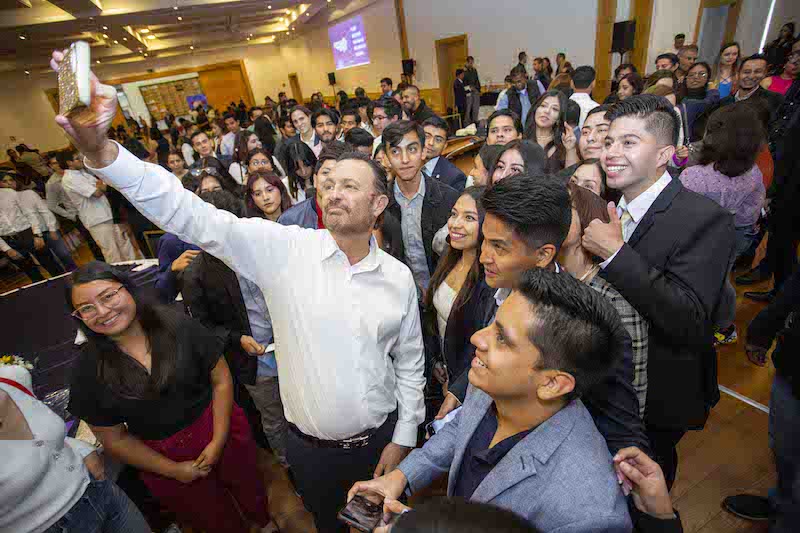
{"type": "Point", "coordinates": [479, 459]}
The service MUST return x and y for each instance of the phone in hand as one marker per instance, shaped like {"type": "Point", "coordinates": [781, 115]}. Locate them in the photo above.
{"type": "Point", "coordinates": [361, 514]}
{"type": "Point", "coordinates": [74, 89]}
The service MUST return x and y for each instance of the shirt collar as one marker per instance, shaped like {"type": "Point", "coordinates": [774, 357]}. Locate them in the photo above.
{"type": "Point", "coordinates": [580, 96]}
{"type": "Point", "coordinates": [371, 262]}
{"type": "Point", "coordinates": [431, 165]}
{"type": "Point", "coordinates": [420, 192]}
{"type": "Point", "coordinates": [639, 206]}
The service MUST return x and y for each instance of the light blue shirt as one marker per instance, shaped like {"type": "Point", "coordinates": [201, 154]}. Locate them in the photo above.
{"type": "Point", "coordinates": [411, 210]}
{"type": "Point", "coordinates": [260, 325]}
{"type": "Point", "coordinates": [502, 103]}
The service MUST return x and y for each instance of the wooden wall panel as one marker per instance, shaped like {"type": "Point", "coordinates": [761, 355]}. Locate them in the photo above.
{"type": "Point", "coordinates": [606, 14]}
{"type": "Point", "coordinates": [225, 85]}
{"type": "Point", "coordinates": [643, 14]}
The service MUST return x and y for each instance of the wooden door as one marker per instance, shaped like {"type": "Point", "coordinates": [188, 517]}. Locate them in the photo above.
{"type": "Point", "coordinates": [295, 85]}
{"type": "Point", "coordinates": [451, 53]}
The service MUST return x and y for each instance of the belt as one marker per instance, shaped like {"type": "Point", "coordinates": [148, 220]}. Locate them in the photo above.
{"type": "Point", "coordinates": [356, 441]}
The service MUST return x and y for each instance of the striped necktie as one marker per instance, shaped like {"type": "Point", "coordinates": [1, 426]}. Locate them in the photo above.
{"type": "Point", "coordinates": [625, 220]}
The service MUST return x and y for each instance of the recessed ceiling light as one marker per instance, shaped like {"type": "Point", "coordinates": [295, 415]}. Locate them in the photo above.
{"type": "Point", "coordinates": [180, 18]}
{"type": "Point", "coordinates": [116, 41]}
{"type": "Point", "coordinates": [287, 33]}
{"type": "Point", "coordinates": [145, 55]}
{"type": "Point", "coordinates": [151, 37]}
{"type": "Point", "coordinates": [98, 61]}
{"type": "Point", "coordinates": [248, 38]}
{"type": "Point", "coordinates": [308, 14]}
{"type": "Point", "coordinates": [292, 28]}
{"type": "Point", "coordinates": [175, 8]}
{"type": "Point", "coordinates": [105, 27]}
{"type": "Point", "coordinates": [124, 38]}
{"type": "Point", "coordinates": [28, 72]}
{"type": "Point", "coordinates": [22, 37]}
{"type": "Point", "coordinates": [269, 6]}
{"type": "Point", "coordinates": [105, 36]}
{"type": "Point", "coordinates": [191, 47]}
{"type": "Point", "coordinates": [144, 30]}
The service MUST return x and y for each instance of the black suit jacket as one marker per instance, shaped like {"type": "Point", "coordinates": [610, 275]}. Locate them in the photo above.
{"type": "Point", "coordinates": [460, 94]}
{"type": "Point", "coordinates": [672, 271]}
{"type": "Point", "coordinates": [612, 402]}
{"type": "Point", "coordinates": [212, 295]}
{"type": "Point", "coordinates": [446, 172]}
{"type": "Point", "coordinates": [436, 206]}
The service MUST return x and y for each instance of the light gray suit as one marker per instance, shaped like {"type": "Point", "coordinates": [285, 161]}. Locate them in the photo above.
{"type": "Point", "coordinates": [559, 477]}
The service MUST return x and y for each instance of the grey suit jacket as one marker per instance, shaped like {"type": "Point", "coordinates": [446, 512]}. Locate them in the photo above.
{"type": "Point", "coordinates": [560, 477]}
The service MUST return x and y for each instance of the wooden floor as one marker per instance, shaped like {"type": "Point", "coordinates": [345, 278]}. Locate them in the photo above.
{"type": "Point", "coordinates": [729, 456]}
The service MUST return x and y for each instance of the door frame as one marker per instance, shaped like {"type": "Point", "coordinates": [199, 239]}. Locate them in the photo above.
{"type": "Point", "coordinates": [447, 96]}
{"type": "Point", "coordinates": [730, 23]}
{"type": "Point", "coordinates": [294, 83]}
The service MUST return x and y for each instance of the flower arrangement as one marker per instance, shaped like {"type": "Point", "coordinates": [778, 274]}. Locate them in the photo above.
{"type": "Point", "coordinates": [15, 360]}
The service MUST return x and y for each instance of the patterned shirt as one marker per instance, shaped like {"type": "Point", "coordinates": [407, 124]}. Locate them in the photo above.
{"type": "Point", "coordinates": [637, 328]}
{"type": "Point", "coordinates": [741, 195]}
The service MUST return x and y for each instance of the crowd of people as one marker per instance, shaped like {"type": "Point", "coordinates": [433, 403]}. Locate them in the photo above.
{"type": "Point", "coordinates": [377, 318]}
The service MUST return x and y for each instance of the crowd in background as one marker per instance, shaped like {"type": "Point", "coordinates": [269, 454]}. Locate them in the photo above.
{"type": "Point", "coordinates": [541, 329]}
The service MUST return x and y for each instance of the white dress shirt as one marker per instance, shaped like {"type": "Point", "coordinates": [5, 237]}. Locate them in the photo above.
{"type": "Point", "coordinates": [347, 337]}
{"type": "Point", "coordinates": [15, 217]}
{"type": "Point", "coordinates": [80, 187]}
{"type": "Point", "coordinates": [586, 103]}
{"type": "Point", "coordinates": [32, 202]}
{"type": "Point", "coordinates": [57, 199]}
{"type": "Point", "coordinates": [637, 209]}
{"type": "Point", "coordinates": [430, 166]}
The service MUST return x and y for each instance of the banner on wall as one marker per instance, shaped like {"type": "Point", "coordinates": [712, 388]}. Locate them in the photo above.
{"type": "Point", "coordinates": [192, 100]}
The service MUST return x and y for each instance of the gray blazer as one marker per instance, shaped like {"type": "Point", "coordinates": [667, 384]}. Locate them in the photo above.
{"type": "Point", "coordinates": [559, 477]}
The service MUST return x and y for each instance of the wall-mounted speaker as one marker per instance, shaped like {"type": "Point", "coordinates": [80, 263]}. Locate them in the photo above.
{"type": "Point", "coordinates": [624, 34]}
{"type": "Point", "coordinates": [331, 78]}
{"type": "Point", "coordinates": [408, 67]}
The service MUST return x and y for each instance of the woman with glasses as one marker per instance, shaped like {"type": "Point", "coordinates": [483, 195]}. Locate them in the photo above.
{"type": "Point", "coordinates": [249, 155]}
{"type": "Point", "coordinates": [155, 390]}
{"type": "Point", "coordinates": [726, 66]}
{"type": "Point", "coordinates": [696, 98]}
{"type": "Point", "coordinates": [209, 179]}
{"type": "Point", "coordinates": [546, 127]}
{"type": "Point", "coordinates": [300, 161]}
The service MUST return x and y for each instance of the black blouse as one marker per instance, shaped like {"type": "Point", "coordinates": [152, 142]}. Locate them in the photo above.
{"type": "Point", "coordinates": [173, 409]}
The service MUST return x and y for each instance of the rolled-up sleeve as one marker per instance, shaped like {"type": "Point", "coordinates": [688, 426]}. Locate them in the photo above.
{"type": "Point", "coordinates": [409, 367]}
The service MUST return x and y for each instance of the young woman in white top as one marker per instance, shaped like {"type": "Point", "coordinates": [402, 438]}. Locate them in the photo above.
{"type": "Point", "coordinates": [247, 143]}
{"type": "Point", "coordinates": [52, 483]}
{"type": "Point", "coordinates": [458, 281]}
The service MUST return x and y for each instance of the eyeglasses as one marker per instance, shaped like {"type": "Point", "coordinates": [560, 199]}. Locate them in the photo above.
{"type": "Point", "coordinates": [697, 75]}
{"type": "Point", "coordinates": [211, 171]}
{"type": "Point", "coordinates": [108, 300]}
{"type": "Point", "coordinates": [258, 163]}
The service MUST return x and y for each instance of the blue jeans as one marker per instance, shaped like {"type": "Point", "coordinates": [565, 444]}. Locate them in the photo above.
{"type": "Point", "coordinates": [784, 439]}
{"type": "Point", "coordinates": [102, 508]}
{"type": "Point", "coordinates": [61, 251]}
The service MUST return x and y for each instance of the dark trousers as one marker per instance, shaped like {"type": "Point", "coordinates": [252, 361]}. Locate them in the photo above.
{"type": "Point", "coordinates": [784, 439]}
{"type": "Point", "coordinates": [323, 476]}
{"type": "Point", "coordinates": [782, 244]}
{"type": "Point", "coordinates": [663, 444]}
{"type": "Point", "coordinates": [22, 243]}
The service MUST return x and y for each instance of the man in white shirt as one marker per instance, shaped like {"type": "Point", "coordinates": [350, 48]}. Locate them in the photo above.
{"type": "Point", "coordinates": [87, 193]}
{"type": "Point", "coordinates": [20, 233]}
{"type": "Point", "coordinates": [583, 85]}
{"type": "Point", "coordinates": [229, 139]}
{"type": "Point", "coordinates": [667, 251]}
{"type": "Point", "coordinates": [351, 381]}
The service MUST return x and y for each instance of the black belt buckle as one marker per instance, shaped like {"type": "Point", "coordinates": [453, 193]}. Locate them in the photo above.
{"type": "Point", "coordinates": [354, 442]}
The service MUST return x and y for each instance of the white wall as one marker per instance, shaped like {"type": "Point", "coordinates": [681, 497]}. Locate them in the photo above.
{"type": "Point", "coordinates": [785, 11]}
{"type": "Point", "coordinates": [498, 30]}
{"type": "Point", "coordinates": [750, 26]}
{"type": "Point", "coordinates": [670, 17]}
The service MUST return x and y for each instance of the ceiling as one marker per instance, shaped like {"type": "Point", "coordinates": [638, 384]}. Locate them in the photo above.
{"type": "Point", "coordinates": [122, 31]}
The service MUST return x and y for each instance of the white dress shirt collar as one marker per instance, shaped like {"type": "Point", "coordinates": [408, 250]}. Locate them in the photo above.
{"type": "Point", "coordinates": [430, 166]}
{"type": "Point", "coordinates": [641, 204]}
{"type": "Point", "coordinates": [330, 248]}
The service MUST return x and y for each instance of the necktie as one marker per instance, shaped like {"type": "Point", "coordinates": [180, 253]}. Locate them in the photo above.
{"type": "Point", "coordinates": [625, 220]}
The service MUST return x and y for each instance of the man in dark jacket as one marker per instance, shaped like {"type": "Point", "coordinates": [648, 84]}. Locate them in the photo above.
{"type": "Point", "coordinates": [436, 166]}
{"type": "Point", "coordinates": [521, 96]}
{"type": "Point", "coordinates": [472, 84]}
{"type": "Point", "coordinates": [460, 94]}
{"type": "Point", "coordinates": [749, 77]}
{"type": "Point", "coordinates": [416, 108]}
{"type": "Point", "coordinates": [421, 204]}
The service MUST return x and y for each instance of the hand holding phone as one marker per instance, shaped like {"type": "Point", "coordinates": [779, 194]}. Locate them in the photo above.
{"type": "Point", "coordinates": [361, 514]}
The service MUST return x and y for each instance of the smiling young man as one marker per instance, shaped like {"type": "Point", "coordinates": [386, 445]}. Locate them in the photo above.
{"type": "Point", "coordinates": [749, 77]}
{"type": "Point", "coordinates": [422, 204]}
{"type": "Point", "coordinates": [416, 108]}
{"type": "Point", "coordinates": [666, 250]}
{"type": "Point", "coordinates": [503, 127]}
{"type": "Point", "coordinates": [436, 166]}
{"type": "Point", "coordinates": [326, 125]}
{"type": "Point", "coordinates": [527, 220]}
{"type": "Point", "coordinates": [524, 440]}
{"type": "Point", "coordinates": [354, 415]}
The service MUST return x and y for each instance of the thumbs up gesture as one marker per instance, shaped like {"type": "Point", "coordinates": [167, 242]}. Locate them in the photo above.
{"type": "Point", "coordinates": [604, 239]}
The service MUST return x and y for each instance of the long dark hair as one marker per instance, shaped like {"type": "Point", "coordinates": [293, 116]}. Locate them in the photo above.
{"type": "Point", "coordinates": [734, 137]}
{"type": "Point", "coordinates": [240, 147]}
{"type": "Point", "coordinates": [160, 324]}
{"type": "Point", "coordinates": [558, 127]}
{"type": "Point", "coordinates": [296, 152]}
{"type": "Point", "coordinates": [446, 265]}
{"type": "Point", "coordinates": [270, 177]}
{"type": "Point", "coordinates": [532, 155]}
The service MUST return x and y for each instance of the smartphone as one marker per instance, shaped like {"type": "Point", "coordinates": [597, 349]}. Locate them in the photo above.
{"type": "Point", "coordinates": [74, 90]}
{"type": "Point", "coordinates": [361, 514]}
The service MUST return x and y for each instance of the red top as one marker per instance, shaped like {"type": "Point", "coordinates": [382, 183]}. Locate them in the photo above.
{"type": "Point", "coordinates": [320, 223]}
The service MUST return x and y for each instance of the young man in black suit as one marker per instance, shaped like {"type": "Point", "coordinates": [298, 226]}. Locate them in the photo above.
{"type": "Point", "coordinates": [667, 251]}
{"type": "Point", "coordinates": [460, 93]}
{"type": "Point", "coordinates": [436, 166]}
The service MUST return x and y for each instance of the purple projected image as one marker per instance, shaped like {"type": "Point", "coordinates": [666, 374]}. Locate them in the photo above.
{"type": "Point", "coordinates": [349, 43]}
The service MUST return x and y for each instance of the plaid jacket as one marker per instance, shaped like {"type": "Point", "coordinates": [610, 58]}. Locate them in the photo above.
{"type": "Point", "coordinates": [637, 329]}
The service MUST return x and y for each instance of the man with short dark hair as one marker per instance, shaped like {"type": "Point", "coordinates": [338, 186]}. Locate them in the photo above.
{"type": "Point", "coordinates": [460, 95]}
{"type": "Point", "coordinates": [751, 73]}
{"type": "Point", "coordinates": [583, 85]}
{"type": "Point", "coordinates": [360, 140]}
{"type": "Point", "coordinates": [667, 251]}
{"type": "Point", "coordinates": [522, 61]}
{"type": "Point", "coordinates": [326, 124]}
{"type": "Point", "coordinates": [472, 86]}
{"type": "Point", "coordinates": [421, 204]}
{"type": "Point", "coordinates": [416, 108]}
{"type": "Point", "coordinates": [680, 40]}
{"type": "Point", "coordinates": [521, 96]}
{"type": "Point", "coordinates": [436, 166]}
{"type": "Point", "coordinates": [363, 103]}
{"type": "Point", "coordinates": [229, 139]}
{"type": "Point", "coordinates": [386, 88]}
{"type": "Point", "coordinates": [687, 56]}
{"type": "Point", "coordinates": [350, 119]}
{"type": "Point", "coordinates": [524, 433]}
{"type": "Point", "coordinates": [503, 127]}
{"type": "Point", "coordinates": [384, 112]}
{"type": "Point", "coordinates": [288, 132]}
{"type": "Point", "coordinates": [668, 61]}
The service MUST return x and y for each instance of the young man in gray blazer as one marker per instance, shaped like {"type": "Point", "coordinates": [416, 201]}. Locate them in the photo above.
{"type": "Point", "coordinates": [523, 439]}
